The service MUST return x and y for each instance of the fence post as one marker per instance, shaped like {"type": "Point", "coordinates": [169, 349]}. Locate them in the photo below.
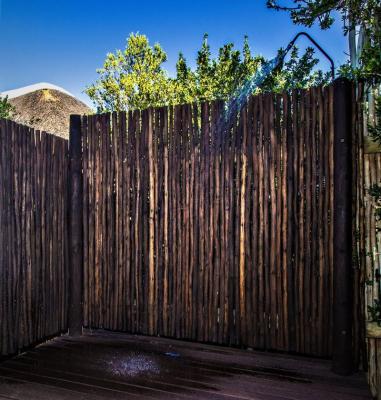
{"type": "Point", "coordinates": [342, 236]}
{"type": "Point", "coordinates": [75, 320]}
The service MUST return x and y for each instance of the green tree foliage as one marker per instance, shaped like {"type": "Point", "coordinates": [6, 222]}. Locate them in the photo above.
{"type": "Point", "coordinates": [365, 14]}
{"type": "Point", "coordinates": [374, 310]}
{"type": "Point", "coordinates": [6, 109]}
{"type": "Point", "coordinates": [297, 73]}
{"type": "Point", "coordinates": [135, 77]}
{"type": "Point", "coordinates": [218, 78]}
{"type": "Point", "coordinates": [184, 86]}
{"type": "Point", "coordinates": [375, 130]}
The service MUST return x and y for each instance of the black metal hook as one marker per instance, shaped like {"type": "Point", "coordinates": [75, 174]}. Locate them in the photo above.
{"type": "Point", "coordinates": [288, 48]}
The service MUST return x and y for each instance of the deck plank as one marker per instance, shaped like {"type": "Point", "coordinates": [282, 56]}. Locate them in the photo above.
{"type": "Point", "coordinates": [104, 365]}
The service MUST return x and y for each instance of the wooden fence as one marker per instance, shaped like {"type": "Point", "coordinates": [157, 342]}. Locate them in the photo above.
{"type": "Point", "coordinates": [200, 230]}
{"type": "Point", "coordinates": [33, 236]}
{"type": "Point", "coordinates": [188, 226]}
{"type": "Point", "coordinates": [367, 240]}
{"type": "Point", "coordinates": [372, 263]}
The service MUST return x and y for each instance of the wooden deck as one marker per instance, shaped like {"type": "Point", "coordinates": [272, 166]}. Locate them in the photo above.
{"type": "Point", "coordinates": [103, 365]}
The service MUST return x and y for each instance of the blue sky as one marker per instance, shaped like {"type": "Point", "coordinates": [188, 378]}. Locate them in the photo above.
{"type": "Point", "coordinates": [64, 41]}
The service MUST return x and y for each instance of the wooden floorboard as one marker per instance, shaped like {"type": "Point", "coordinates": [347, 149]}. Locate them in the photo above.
{"type": "Point", "coordinates": [103, 365]}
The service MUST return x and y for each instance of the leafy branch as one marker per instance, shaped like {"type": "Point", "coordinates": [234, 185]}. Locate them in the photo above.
{"type": "Point", "coordinates": [6, 108]}
{"type": "Point", "coordinates": [375, 130]}
{"type": "Point", "coordinates": [135, 78]}
{"type": "Point", "coordinates": [375, 312]}
{"type": "Point", "coordinates": [365, 14]}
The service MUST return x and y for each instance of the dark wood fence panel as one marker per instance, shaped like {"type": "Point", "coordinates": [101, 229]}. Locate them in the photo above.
{"type": "Point", "coordinates": [214, 231]}
{"type": "Point", "coordinates": [33, 221]}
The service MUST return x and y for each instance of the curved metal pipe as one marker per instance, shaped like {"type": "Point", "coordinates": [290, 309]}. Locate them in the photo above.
{"type": "Point", "coordinates": [291, 44]}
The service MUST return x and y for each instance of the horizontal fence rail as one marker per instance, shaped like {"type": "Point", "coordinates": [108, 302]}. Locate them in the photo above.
{"type": "Point", "coordinates": [33, 242]}
{"type": "Point", "coordinates": [215, 231]}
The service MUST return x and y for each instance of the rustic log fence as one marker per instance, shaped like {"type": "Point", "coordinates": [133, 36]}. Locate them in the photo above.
{"type": "Point", "coordinates": [184, 225]}
{"type": "Point", "coordinates": [367, 237]}
{"type": "Point", "coordinates": [33, 236]}
{"type": "Point", "coordinates": [215, 232]}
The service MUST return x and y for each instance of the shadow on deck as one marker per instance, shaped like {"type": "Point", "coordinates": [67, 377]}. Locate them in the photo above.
{"type": "Point", "coordinates": [103, 365]}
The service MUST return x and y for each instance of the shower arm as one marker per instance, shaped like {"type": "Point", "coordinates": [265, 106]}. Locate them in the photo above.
{"type": "Point", "coordinates": [291, 44]}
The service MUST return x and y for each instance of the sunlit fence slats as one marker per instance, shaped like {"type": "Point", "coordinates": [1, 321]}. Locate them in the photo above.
{"type": "Point", "coordinates": [202, 229]}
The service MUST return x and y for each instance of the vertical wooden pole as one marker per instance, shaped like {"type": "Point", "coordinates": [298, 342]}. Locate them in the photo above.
{"type": "Point", "coordinates": [342, 246]}
{"type": "Point", "coordinates": [75, 227]}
